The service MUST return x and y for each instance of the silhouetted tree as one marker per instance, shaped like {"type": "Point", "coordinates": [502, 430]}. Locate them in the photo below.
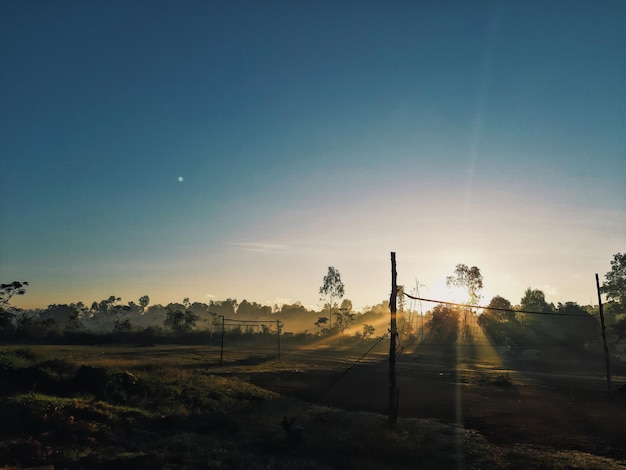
{"type": "Point", "coordinates": [227, 307]}
{"type": "Point", "coordinates": [468, 279]}
{"type": "Point", "coordinates": [144, 300]}
{"type": "Point", "coordinates": [343, 320]}
{"type": "Point", "coordinates": [614, 285]}
{"type": "Point", "coordinates": [105, 306]}
{"type": "Point", "coordinates": [501, 326]}
{"type": "Point", "coordinates": [471, 281]}
{"type": "Point", "coordinates": [7, 291]}
{"type": "Point", "coordinates": [253, 310]}
{"type": "Point", "coordinates": [576, 326]}
{"type": "Point", "coordinates": [7, 316]}
{"type": "Point", "coordinates": [321, 325]}
{"type": "Point", "coordinates": [180, 319]}
{"type": "Point", "coordinates": [368, 331]}
{"type": "Point", "coordinates": [332, 288]}
{"type": "Point", "coordinates": [499, 302]}
{"type": "Point", "coordinates": [534, 300]}
{"type": "Point", "coordinates": [346, 306]}
{"type": "Point", "coordinates": [570, 308]}
{"type": "Point", "coordinates": [29, 325]}
{"type": "Point", "coordinates": [122, 326]}
{"type": "Point", "coordinates": [62, 314]}
{"type": "Point", "coordinates": [444, 324]}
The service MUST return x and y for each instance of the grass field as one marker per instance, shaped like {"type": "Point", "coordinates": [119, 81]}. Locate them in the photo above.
{"type": "Point", "coordinates": [169, 406]}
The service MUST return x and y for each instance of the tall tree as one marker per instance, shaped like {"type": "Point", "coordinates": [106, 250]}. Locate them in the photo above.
{"type": "Point", "coordinates": [227, 307]}
{"type": "Point", "coordinates": [179, 319]}
{"type": "Point", "coordinates": [502, 309]}
{"type": "Point", "coordinates": [253, 310]}
{"type": "Point", "coordinates": [9, 290]}
{"type": "Point", "coordinates": [614, 285]}
{"type": "Point", "coordinates": [333, 290]}
{"type": "Point", "coordinates": [144, 300]}
{"type": "Point", "coordinates": [444, 324]}
{"type": "Point", "coordinates": [343, 320]}
{"type": "Point", "coordinates": [534, 300]}
{"type": "Point", "coordinates": [468, 279]}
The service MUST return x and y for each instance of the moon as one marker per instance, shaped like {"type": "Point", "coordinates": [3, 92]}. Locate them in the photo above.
{"type": "Point", "coordinates": [181, 179]}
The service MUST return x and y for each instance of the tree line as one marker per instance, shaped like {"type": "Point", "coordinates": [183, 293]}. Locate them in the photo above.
{"type": "Point", "coordinates": [499, 319]}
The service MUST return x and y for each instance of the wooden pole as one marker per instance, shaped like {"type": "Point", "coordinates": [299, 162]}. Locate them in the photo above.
{"type": "Point", "coordinates": [222, 347]}
{"type": "Point", "coordinates": [607, 358]}
{"type": "Point", "coordinates": [278, 336]}
{"type": "Point", "coordinates": [393, 330]}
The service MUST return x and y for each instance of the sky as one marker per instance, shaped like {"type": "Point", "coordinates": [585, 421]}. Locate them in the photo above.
{"type": "Point", "coordinates": [237, 149]}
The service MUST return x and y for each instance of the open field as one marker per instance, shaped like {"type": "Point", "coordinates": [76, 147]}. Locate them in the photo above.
{"type": "Point", "coordinates": [169, 406]}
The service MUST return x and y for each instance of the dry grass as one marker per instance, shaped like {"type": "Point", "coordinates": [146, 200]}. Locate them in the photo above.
{"type": "Point", "coordinates": [184, 411]}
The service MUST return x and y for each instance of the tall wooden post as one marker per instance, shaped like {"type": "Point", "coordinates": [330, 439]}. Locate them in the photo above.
{"type": "Point", "coordinates": [222, 347]}
{"type": "Point", "coordinates": [607, 359]}
{"type": "Point", "coordinates": [278, 335]}
{"type": "Point", "coordinates": [393, 330]}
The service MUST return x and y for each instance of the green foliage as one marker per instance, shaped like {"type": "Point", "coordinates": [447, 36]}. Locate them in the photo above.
{"type": "Point", "coordinates": [570, 308]}
{"type": "Point", "coordinates": [19, 358]}
{"type": "Point", "coordinates": [65, 317]}
{"type": "Point", "coordinates": [31, 326]}
{"type": "Point", "coordinates": [619, 328]}
{"type": "Point", "coordinates": [492, 310]}
{"type": "Point", "coordinates": [122, 326]}
{"type": "Point", "coordinates": [7, 327]}
{"type": "Point", "coordinates": [226, 308]}
{"type": "Point", "coordinates": [106, 306]}
{"type": "Point", "coordinates": [502, 326]}
{"type": "Point", "coordinates": [534, 300]}
{"type": "Point", "coordinates": [180, 320]}
{"type": "Point", "coordinates": [614, 285]}
{"type": "Point", "coordinates": [444, 324]}
{"type": "Point", "coordinates": [144, 300]}
{"type": "Point", "coordinates": [7, 291]}
{"type": "Point", "coordinates": [344, 320]}
{"type": "Point", "coordinates": [321, 324]}
{"type": "Point", "coordinates": [368, 331]}
{"type": "Point", "coordinates": [253, 310]}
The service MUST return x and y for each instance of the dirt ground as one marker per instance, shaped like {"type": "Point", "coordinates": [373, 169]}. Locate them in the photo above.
{"type": "Point", "coordinates": [533, 400]}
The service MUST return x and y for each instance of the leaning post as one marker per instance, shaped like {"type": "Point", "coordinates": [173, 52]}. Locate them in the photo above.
{"type": "Point", "coordinates": [393, 331]}
{"type": "Point", "coordinates": [607, 359]}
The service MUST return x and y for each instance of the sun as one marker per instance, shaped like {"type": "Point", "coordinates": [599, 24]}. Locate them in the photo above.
{"type": "Point", "coordinates": [457, 295]}
{"type": "Point", "coordinates": [444, 293]}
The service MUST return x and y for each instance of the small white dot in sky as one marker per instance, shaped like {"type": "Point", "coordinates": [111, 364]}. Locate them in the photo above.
{"type": "Point", "coordinates": [181, 179]}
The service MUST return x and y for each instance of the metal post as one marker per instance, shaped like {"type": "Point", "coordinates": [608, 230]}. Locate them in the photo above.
{"type": "Point", "coordinates": [393, 330]}
{"type": "Point", "coordinates": [607, 359]}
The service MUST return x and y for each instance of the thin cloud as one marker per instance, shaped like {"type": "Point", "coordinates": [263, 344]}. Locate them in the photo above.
{"type": "Point", "coordinates": [261, 247]}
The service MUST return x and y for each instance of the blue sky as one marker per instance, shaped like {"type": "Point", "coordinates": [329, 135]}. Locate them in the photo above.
{"type": "Point", "coordinates": [309, 134]}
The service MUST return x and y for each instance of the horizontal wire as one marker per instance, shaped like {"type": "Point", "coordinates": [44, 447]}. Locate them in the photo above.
{"type": "Point", "coordinates": [499, 308]}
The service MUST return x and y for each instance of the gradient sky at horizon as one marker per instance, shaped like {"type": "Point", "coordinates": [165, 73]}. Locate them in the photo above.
{"type": "Point", "coordinates": [308, 135]}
